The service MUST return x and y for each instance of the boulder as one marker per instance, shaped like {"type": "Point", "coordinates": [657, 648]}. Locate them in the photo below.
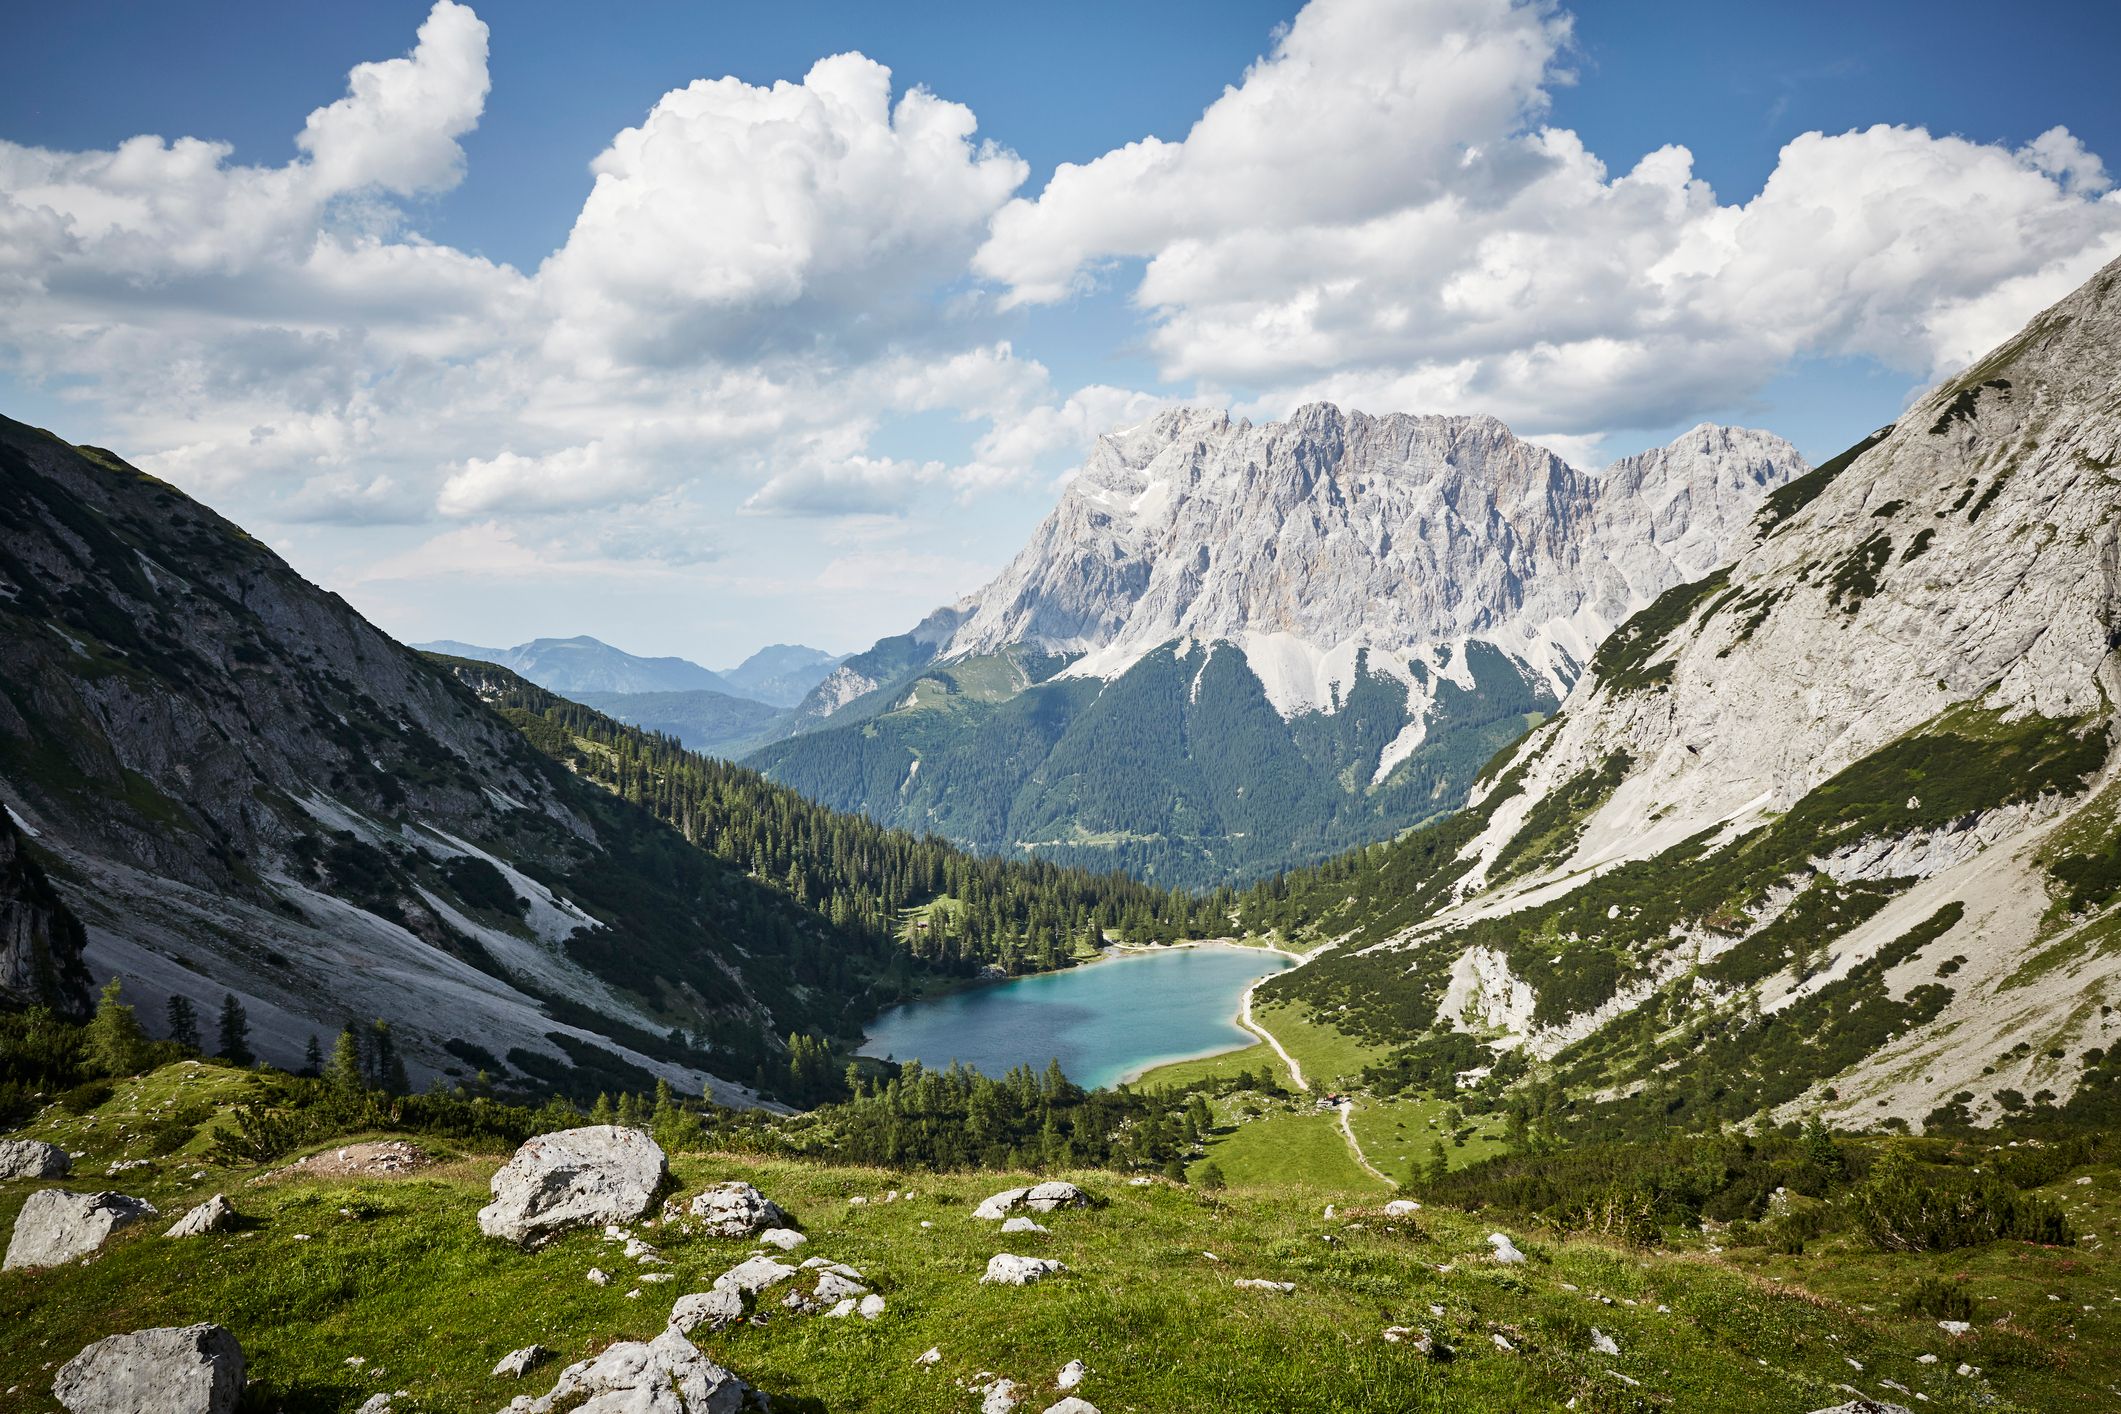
{"type": "Point", "coordinates": [999, 1398]}
{"type": "Point", "coordinates": [666, 1375]}
{"type": "Point", "coordinates": [575, 1178]}
{"type": "Point", "coordinates": [169, 1370]}
{"type": "Point", "coordinates": [1401, 1207]}
{"type": "Point", "coordinates": [715, 1310]}
{"type": "Point", "coordinates": [787, 1239]}
{"type": "Point", "coordinates": [518, 1363]}
{"type": "Point", "coordinates": [1072, 1405]}
{"type": "Point", "coordinates": [870, 1306]}
{"type": "Point", "coordinates": [1071, 1375]}
{"type": "Point", "coordinates": [1021, 1224]}
{"type": "Point", "coordinates": [1505, 1250]}
{"type": "Point", "coordinates": [1039, 1198]}
{"type": "Point", "coordinates": [1603, 1343]}
{"type": "Point", "coordinates": [32, 1158]}
{"type": "Point", "coordinates": [1007, 1269]}
{"type": "Point", "coordinates": [56, 1226]}
{"type": "Point", "coordinates": [831, 1286]}
{"type": "Point", "coordinates": [754, 1275]}
{"type": "Point", "coordinates": [736, 1209]}
{"type": "Point", "coordinates": [214, 1215]}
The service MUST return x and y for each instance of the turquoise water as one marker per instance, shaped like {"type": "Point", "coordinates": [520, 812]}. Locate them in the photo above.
{"type": "Point", "coordinates": [1104, 1022]}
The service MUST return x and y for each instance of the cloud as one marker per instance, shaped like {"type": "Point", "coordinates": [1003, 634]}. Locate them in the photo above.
{"type": "Point", "coordinates": [1376, 215]}
{"type": "Point", "coordinates": [398, 124]}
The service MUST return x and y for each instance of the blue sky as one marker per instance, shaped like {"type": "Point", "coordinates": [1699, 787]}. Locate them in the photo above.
{"type": "Point", "coordinates": [817, 409]}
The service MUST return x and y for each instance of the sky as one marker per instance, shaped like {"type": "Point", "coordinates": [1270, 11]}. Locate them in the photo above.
{"type": "Point", "coordinates": [701, 326]}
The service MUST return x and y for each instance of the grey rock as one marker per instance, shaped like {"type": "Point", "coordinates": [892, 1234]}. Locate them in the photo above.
{"type": "Point", "coordinates": [1071, 1375]}
{"type": "Point", "coordinates": [1603, 1343]}
{"type": "Point", "coordinates": [1505, 1250]}
{"type": "Point", "coordinates": [1008, 1269]}
{"type": "Point", "coordinates": [1072, 1405]}
{"type": "Point", "coordinates": [575, 1178]}
{"type": "Point", "coordinates": [1865, 1406]}
{"type": "Point", "coordinates": [1279, 1288]}
{"type": "Point", "coordinates": [1052, 1197]}
{"type": "Point", "coordinates": [871, 1306]}
{"type": "Point", "coordinates": [1022, 1224]}
{"type": "Point", "coordinates": [667, 1375]}
{"type": "Point", "coordinates": [57, 1226]}
{"type": "Point", "coordinates": [736, 1209]}
{"type": "Point", "coordinates": [996, 1208]}
{"type": "Point", "coordinates": [32, 1158]}
{"type": "Point", "coordinates": [754, 1275]}
{"type": "Point", "coordinates": [216, 1214]}
{"type": "Point", "coordinates": [999, 1397]}
{"type": "Point", "coordinates": [168, 1370]}
{"type": "Point", "coordinates": [517, 1363]}
{"type": "Point", "coordinates": [831, 1286]}
{"type": "Point", "coordinates": [787, 1239]}
{"type": "Point", "coordinates": [716, 1310]}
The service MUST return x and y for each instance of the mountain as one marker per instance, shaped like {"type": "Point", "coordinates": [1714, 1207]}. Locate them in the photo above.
{"type": "Point", "coordinates": [240, 787]}
{"type": "Point", "coordinates": [780, 673]}
{"type": "Point", "coordinates": [584, 664]}
{"type": "Point", "coordinates": [1232, 648]}
{"type": "Point", "coordinates": [713, 722]}
{"type": "Point", "coordinates": [1834, 828]}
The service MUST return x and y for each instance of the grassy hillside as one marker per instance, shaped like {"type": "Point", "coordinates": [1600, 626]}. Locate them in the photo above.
{"type": "Point", "coordinates": [339, 1288]}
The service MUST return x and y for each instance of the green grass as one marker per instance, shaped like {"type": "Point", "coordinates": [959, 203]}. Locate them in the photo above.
{"type": "Point", "coordinates": [1260, 1060]}
{"type": "Point", "coordinates": [1332, 1059]}
{"type": "Point", "coordinates": [1396, 1136]}
{"type": "Point", "coordinates": [1290, 1149]}
{"type": "Point", "coordinates": [396, 1273]}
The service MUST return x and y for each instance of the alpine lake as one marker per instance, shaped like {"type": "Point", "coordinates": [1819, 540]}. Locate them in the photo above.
{"type": "Point", "coordinates": [1106, 1022]}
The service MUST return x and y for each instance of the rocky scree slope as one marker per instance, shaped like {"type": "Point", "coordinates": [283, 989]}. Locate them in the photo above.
{"type": "Point", "coordinates": [1358, 610]}
{"type": "Point", "coordinates": [239, 785]}
{"type": "Point", "coordinates": [1834, 826]}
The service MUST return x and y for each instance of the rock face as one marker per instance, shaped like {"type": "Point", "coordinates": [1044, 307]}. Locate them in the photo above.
{"type": "Point", "coordinates": [575, 1178]}
{"type": "Point", "coordinates": [1888, 722]}
{"type": "Point", "coordinates": [1007, 1269]}
{"type": "Point", "coordinates": [214, 1215]}
{"type": "Point", "coordinates": [666, 1375]}
{"type": "Point", "coordinates": [56, 1226]}
{"type": "Point", "coordinates": [171, 1370]}
{"type": "Point", "coordinates": [1349, 604]}
{"type": "Point", "coordinates": [41, 942]}
{"type": "Point", "coordinates": [736, 1209]}
{"type": "Point", "coordinates": [32, 1158]}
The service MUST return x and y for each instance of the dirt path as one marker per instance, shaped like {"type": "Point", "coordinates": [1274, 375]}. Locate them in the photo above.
{"type": "Point", "coordinates": [1296, 1072]}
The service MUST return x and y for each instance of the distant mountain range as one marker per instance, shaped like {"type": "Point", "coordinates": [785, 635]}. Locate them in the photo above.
{"type": "Point", "coordinates": [726, 713]}
{"type": "Point", "coordinates": [1232, 648]}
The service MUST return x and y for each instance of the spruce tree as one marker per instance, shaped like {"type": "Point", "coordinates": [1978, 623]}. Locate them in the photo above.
{"type": "Point", "coordinates": [116, 1044]}
{"type": "Point", "coordinates": [312, 1057]}
{"type": "Point", "coordinates": [344, 1074]}
{"type": "Point", "coordinates": [235, 1032]}
{"type": "Point", "coordinates": [183, 1021]}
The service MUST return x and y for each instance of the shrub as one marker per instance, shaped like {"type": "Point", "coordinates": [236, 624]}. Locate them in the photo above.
{"type": "Point", "coordinates": [83, 1098]}
{"type": "Point", "coordinates": [1945, 1300]}
{"type": "Point", "coordinates": [1902, 1209]}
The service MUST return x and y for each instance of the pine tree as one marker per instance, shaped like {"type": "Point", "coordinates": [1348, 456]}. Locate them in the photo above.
{"type": "Point", "coordinates": [312, 1057]}
{"type": "Point", "coordinates": [183, 1021]}
{"type": "Point", "coordinates": [344, 1074]}
{"type": "Point", "coordinates": [116, 1044]}
{"type": "Point", "coordinates": [235, 1032]}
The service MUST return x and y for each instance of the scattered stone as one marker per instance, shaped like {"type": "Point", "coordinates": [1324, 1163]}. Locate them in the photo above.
{"type": "Point", "coordinates": [1071, 1375]}
{"type": "Point", "coordinates": [652, 1278]}
{"type": "Point", "coordinates": [32, 1158]}
{"type": "Point", "coordinates": [870, 1306]}
{"type": "Point", "coordinates": [1603, 1343]}
{"type": "Point", "coordinates": [736, 1209]}
{"type": "Point", "coordinates": [1024, 1225]}
{"type": "Point", "coordinates": [1954, 1327]}
{"type": "Point", "coordinates": [518, 1363]}
{"type": "Point", "coordinates": [375, 1404]}
{"type": "Point", "coordinates": [1501, 1341]}
{"type": "Point", "coordinates": [599, 1277]}
{"type": "Point", "coordinates": [1410, 1336]}
{"type": "Point", "coordinates": [389, 1158]}
{"type": "Point", "coordinates": [1865, 1406]}
{"type": "Point", "coordinates": [1072, 1405]}
{"type": "Point", "coordinates": [1329, 1212]}
{"type": "Point", "coordinates": [214, 1215]}
{"type": "Point", "coordinates": [575, 1178]}
{"type": "Point", "coordinates": [1401, 1207]}
{"type": "Point", "coordinates": [831, 1286]}
{"type": "Point", "coordinates": [1007, 1269]}
{"type": "Point", "coordinates": [754, 1275]}
{"type": "Point", "coordinates": [666, 1375]}
{"type": "Point", "coordinates": [1258, 1284]}
{"type": "Point", "coordinates": [1505, 1250]}
{"type": "Point", "coordinates": [1040, 1198]}
{"type": "Point", "coordinates": [716, 1310]}
{"type": "Point", "coordinates": [1000, 1398]}
{"type": "Point", "coordinates": [933, 1355]}
{"type": "Point", "coordinates": [786, 1238]}
{"type": "Point", "coordinates": [169, 1370]}
{"type": "Point", "coordinates": [56, 1226]}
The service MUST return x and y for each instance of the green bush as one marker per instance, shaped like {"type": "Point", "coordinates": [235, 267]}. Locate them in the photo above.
{"type": "Point", "coordinates": [1945, 1300]}
{"type": "Point", "coordinates": [83, 1098]}
{"type": "Point", "coordinates": [1901, 1208]}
